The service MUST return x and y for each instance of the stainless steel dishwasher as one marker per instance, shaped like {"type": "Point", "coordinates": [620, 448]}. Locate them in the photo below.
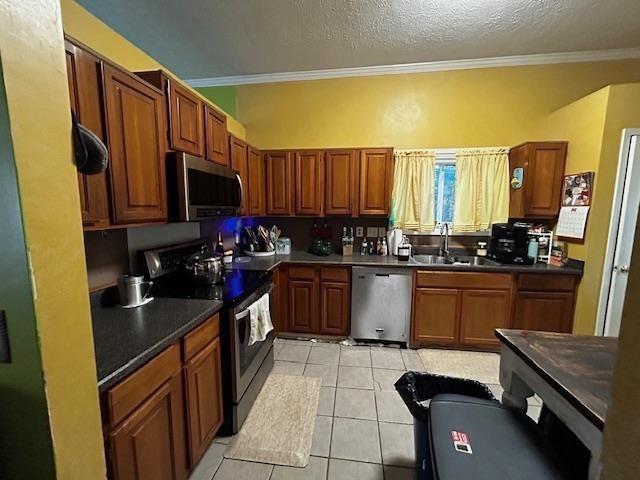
{"type": "Point", "coordinates": [381, 304]}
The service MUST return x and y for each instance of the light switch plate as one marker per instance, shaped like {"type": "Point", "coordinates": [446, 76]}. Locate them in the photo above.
{"type": "Point", "coordinates": [359, 231]}
{"type": "Point", "coordinates": [372, 232]}
{"type": "Point", "coordinates": [382, 232]}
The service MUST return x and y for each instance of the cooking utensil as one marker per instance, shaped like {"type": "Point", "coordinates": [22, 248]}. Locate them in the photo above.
{"type": "Point", "coordinates": [205, 269]}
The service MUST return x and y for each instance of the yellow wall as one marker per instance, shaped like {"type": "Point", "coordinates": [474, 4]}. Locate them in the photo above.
{"type": "Point", "coordinates": [88, 29]}
{"type": "Point", "coordinates": [482, 107]}
{"type": "Point", "coordinates": [37, 96]}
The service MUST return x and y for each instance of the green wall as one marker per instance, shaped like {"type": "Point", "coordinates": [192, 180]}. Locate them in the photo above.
{"type": "Point", "coordinates": [26, 450]}
{"type": "Point", "coordinates": [224, 97]}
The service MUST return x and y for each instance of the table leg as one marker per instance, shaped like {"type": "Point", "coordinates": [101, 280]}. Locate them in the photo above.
{"type": "Point", "coordinates": [516, 391]}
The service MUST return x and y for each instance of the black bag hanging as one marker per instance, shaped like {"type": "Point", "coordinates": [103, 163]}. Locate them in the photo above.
{"type": "Point", "coordinates": [91, 155]}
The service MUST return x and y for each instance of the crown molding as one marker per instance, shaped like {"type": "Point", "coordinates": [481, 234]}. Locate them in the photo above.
{"type": "Point", "coordinates": [423, 67]}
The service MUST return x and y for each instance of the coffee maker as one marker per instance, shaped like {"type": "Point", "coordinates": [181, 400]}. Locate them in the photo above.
{"type": "Point", "coordinates": [509, 244]}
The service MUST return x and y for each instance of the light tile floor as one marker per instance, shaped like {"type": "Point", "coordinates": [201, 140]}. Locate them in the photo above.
{"type": "Point", "coordinates": [363, 429]}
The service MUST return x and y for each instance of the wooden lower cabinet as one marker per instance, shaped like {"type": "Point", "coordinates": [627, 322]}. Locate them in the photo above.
{"type": "Point", "coordinates": [150, 443]}
{"type": "Point", "coordinates": [303, 310]}
{"type": "Point", "coordinates": [452, 310]}
{"type": "Point", "coordinates": [318, 299]}
{"type": "Point", "coordinates": [203, 386]}
{"type": "Point", "coordinates": [545, 311]}
{"type": "Point", "coordinates": [482, 312]}
{"type": "Point", "coordinates": [335, 301]}
{"type": "Point", "coordinates": [161, 419]}
{"type": "Point", "coordinates": [435, 315]}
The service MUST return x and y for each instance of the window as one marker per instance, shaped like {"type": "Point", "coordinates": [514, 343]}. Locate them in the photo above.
{"type": "Point", "coordinates": [444, 187]}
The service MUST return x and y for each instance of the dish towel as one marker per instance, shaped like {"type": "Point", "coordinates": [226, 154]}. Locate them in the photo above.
{"type": "Point", "coordinates": [260, 319]}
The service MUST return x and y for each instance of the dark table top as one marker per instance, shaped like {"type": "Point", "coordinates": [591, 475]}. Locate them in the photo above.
{"type": "Point", "coordinates": [578, 367]}
{"type": "Point", "coordinates": [125, 339]}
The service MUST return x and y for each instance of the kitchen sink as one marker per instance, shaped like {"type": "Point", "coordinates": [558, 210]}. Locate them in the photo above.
{"type": "Point", "coordinates": [472, 261]}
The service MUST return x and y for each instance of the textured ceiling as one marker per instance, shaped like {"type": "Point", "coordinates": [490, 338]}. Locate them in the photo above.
{"type": "Point", "coordinates": [211, 38]}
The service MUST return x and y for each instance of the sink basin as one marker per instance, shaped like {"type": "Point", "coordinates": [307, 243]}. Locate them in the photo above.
{"type": "Point", "coordinates": [453, 260]}
{"type": "Point", "coordinates": [430, 260]}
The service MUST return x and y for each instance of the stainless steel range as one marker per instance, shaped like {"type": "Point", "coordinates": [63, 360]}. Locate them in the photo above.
{"type": "Point", "coordinates": [245, 367]}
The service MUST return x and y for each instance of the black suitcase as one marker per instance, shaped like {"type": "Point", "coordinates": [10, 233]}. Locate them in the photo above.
{"type": "Point", "coordinates": [472, 438]}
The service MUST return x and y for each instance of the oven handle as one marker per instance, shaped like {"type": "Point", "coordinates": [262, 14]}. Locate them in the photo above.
{"type": "Point", "coordinates": [245, 312]}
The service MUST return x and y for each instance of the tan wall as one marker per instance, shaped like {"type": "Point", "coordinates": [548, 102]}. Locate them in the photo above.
{"type": "Point", "coordinates": [39, 112]}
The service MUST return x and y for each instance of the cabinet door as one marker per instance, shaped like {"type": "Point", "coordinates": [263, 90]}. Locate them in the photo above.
{"type": "Point", "coordinates": [256, 182]}
{"type": "Point", "coordinates": [545, 311]}
{"type": "Point", "coordinates": [543, 178]}
{"type": "Point", "coordinates": [204, 398]}
{"type": "Point", "coordinates": [240, 163]}
{"type": "Point", "coordinates": [309, 184]}
{"type": "Point", "coordinates": [339, 182]}
{"type": "Point", "coordinates": [335, 301]}
{"type": "Point", "coordinates": [482, 312]}
{"type": "Point", "coordinates": [436, 314]}
{"type": "Point", "coordinates": [303, 310]}
{"type": "Point", "coordinates": [150, 443]}
{"type": "Point", "coordinates": [279, 183]}
{"type": "Point", "coordinates": [215, 126]}
{"type": "Point", "coordinates": [136, 148]}
{"type": "Point", "coordinates": [185, 120]}
{"type": "Point", "coordinates": [376, 176]}
{"type": "Point", "coordinates": [85, 91]}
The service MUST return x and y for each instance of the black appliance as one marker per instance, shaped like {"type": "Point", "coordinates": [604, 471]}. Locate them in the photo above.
{"type": "Point", "coordinates": [198, 189]}
{"type": "Point", "coordinates": [509, 244]}
{"type": "Point", "coordinates": [245, 367]}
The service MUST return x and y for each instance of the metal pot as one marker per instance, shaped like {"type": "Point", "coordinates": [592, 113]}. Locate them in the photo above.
{"type": "Point", "coordinates": [207, 270]}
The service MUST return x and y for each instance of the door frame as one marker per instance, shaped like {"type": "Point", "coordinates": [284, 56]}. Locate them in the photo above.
{"type": "Point", "coordinates": [624, 163]}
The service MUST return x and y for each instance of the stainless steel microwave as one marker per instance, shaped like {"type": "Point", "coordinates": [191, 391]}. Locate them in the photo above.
{"type": "Point", "coordinates": [198, 189]}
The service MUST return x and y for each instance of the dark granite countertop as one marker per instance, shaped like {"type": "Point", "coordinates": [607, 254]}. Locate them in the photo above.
{"type": "Point", "coordinates": [574, 267]}
{"type": "Point", "coordinates": [125, 339]}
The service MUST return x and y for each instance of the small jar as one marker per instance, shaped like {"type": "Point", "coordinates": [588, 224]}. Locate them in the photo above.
{"type": "Point", "coordinates": [481, 250]}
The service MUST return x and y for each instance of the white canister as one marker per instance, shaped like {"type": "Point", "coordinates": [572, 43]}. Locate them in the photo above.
{"type": "Point", "coordinates": [394, 239]}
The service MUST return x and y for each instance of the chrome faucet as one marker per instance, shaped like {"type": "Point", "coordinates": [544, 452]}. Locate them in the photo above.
{"type": "Point", "coordinates": [444, 241]}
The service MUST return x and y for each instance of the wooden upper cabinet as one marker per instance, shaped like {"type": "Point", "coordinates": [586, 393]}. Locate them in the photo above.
{"type": "Point", "coordinates": [85, 91]}
{"type": "Point", "coordinates": [376, 177]}
{"type": "Point", "coordinates": [215, 128]}
{"type": "Point", "coordinates": [309, 182]}
{"type": "Point", "coordinates": [185, 120]}
{"type": "Point", "coordinates": [240, 163]}
{"type": "Point", "coordinates": [136, 148]}
{"type": "Point", "coordinates": [257, 182]}
{"type": "Point", "coordinates": [150, 443]}
{"type": "Point", "coordinates": [185, 113]}
{"type": "Point", "coordinates": [340, 182]}
{"type": "Point", "coordinates": [279, 176]}
{"type": "Point", "coordinates": [203, 385]}
{"type": "Point", "coordinates": [543, 171]}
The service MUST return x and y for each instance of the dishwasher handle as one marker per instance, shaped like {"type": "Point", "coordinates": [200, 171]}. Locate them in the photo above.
{"type": "Point", "coordinates": [382, 274]}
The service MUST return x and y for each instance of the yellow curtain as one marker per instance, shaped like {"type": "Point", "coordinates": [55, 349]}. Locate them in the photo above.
{"type": "Point", "coordinates": [412, 202]}
{"type": "Point", "coordinates": [482, 189]}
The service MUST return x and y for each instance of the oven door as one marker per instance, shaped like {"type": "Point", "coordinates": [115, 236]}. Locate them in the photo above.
{"type": "Point", "coordinates": [248, 358]}
{"type": "Point", "coordinates": [201, 189]}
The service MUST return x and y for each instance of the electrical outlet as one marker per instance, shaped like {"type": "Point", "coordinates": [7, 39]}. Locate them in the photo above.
{"type": "Point", "coordinates": [382, 232]}
{"type": "Point", "coordinates": [372, 232]}
{"type": "Point", "coordinates": [360, 232]}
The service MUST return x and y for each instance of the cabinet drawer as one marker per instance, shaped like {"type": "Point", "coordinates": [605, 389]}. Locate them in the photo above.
{"type": "Point", "coordinates": [340, 275]}
{"type": "Point", "coordinates": [497, 281]}
{"type": "Point", "coordinates": [195, 340]}
{"type": "Point", "coordinates": [302, 273]}
{"type": "Point", "coordinates": [546, 283]}
{"type": "Point", "coordinates": [132, 391]}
